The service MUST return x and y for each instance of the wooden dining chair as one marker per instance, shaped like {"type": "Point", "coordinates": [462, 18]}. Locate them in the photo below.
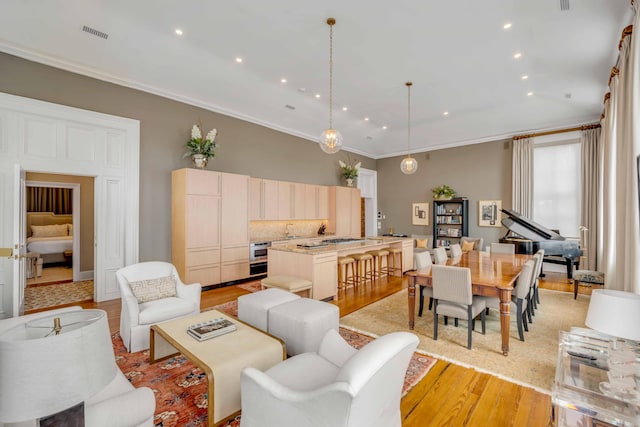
{"type": "Point", "coordinates": [423, 260]}
{"type": "Point", "coordinates": [453, 296]}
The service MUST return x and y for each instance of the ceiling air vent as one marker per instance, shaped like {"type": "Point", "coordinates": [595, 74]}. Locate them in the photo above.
{"type": "Point", "coordinates": [290, 107]}
{"type": "Point", "coordinates": [95, 32]}
{"type": "Point", "coordinates": [564, 4]}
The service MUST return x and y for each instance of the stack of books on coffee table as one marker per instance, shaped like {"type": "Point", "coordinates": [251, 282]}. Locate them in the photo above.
{"type": "Point", "coordinates": [211, 328]}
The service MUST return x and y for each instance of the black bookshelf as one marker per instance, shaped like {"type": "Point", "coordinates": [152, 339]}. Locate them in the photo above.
{"type": "Point", "coordinates": [450, 221]}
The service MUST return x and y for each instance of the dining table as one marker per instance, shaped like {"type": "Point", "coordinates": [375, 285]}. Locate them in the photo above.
{"type": "Point", "coordinates": [492, 274]}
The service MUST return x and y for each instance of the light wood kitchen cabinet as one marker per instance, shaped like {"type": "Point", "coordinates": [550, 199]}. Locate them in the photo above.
{"type": "Point", "coordinates": [234, 230]}
{"type": "Point", "coordinates": [311, 201]}
{"type": "Point", "coordinates": [407, 255]}
{"type": "Point", "coordinates": [323, 202]}
{"type": "Point", "coordinates": [285, 190]}
{"type": "Point", "coordinates": [344, 212]}
{"type": "Point", "coordinates": [263, 199]}
{"type": "Point", "coordinates": [195, 228]}
{"type": "Point", "coordinates": [298, 202]}
{"type": "Point", "coordinates": [325, 276]}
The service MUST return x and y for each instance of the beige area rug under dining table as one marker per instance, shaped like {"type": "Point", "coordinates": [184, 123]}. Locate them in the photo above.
{"type": "Point", "coordinates": [531, 363]}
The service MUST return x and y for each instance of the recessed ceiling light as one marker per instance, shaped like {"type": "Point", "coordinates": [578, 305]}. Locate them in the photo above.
{"type": "Point", "coordinates": [283, 80]}
{"type": "Point", "coordinates": [369, 137]}
{"type": "Point", "coordinates": [178, 31]}
{"type": "Point", "coordinates": [317, 95]}
{"type": "Point", "coordinates": [529, 93]}
{"type": "Point", "coordinates": [366, 119]}
{"type": "Point", "coordinates": [344, 108]}
{"type": "Point", "coordinates": [446, 113]}
{"type": "Point", "coordinates": [525, 77]}
{"type": "Point", "coordinates": [384, 127]}
{"type": "Point", "coordinates": [239, 60]}
{"type": "Point", "coordinates": [507, 25]}
{"type": "Point", "coordinates": [517, 55]}
{"type": "Point", "coordinates": [302, 89]}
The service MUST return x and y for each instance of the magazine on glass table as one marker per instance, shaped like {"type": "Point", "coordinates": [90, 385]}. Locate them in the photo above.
{"type": "Point", "coordinates": [211, 328]}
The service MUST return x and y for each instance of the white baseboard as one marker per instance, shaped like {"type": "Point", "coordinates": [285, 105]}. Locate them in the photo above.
{"type": "Point", "coordinates": [85, 275]}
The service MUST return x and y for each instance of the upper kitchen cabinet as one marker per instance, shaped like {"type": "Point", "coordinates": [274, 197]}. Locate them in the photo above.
{"type": "Point", "coordinates": [263, 199]}
{"type": "Point", "coordinates": [344, 212]}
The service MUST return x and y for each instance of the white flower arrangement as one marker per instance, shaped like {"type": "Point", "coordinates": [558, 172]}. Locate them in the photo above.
{"type": "Point", "coordinates": [197, 145]}
{"type": "Point", "coordinates": [349, 171]}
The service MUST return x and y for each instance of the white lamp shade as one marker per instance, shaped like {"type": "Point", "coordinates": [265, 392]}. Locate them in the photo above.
{"type": "Point", "coordinates": [331, 141]}
{"type": "Point", "coordinates": [409, 165]}
{"type": "Point", "coordinates": [42, 375]}
{"type": "Point", "coordinates": [615, 313]}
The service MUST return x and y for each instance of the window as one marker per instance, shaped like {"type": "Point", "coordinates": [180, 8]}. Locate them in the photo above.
{"type": "Point", "coordinates": [556, 186]}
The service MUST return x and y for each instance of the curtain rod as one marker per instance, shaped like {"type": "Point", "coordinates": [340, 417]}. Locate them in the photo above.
{"type": "Point", "coordinates": [552, 132]}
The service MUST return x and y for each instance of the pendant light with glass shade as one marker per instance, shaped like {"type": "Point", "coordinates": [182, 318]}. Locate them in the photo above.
{"type": "Point", "coordinates": [331, 139]}
{"type": "Point", "coordinates": [409, 165]}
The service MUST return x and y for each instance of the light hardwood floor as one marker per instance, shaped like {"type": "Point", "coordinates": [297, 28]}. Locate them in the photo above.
{"type": "Point", "coordinates": [449, 395]}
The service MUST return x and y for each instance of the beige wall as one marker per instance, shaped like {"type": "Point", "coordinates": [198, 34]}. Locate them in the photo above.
{"type": "Point", "coordinates": [478, 172]}
{"type": "Point", "coordinates": [165, 126]}
{"type": "Point", "coordinates": [86, 211]}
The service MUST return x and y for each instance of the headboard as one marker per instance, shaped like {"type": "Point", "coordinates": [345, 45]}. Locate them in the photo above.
{"type": "Point", "coordinates": [46, 218]}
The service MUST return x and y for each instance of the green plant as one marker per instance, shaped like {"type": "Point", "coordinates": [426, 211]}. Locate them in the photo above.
{"type": "Point", "coordinates": [349, 171]}
{"type": "Point", "coordinates": [443, 191]}
{"type": "Point", "coordinates": [198, 145]}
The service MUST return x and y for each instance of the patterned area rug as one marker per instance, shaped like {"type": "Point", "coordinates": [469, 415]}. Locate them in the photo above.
{"type": "Point", "coordinates": [531, 363]}
{"type": "Point", "coordinates": [251, 286]}
{"type": "Point", "coordinates": [181, 388]}
{"type": "Point", "coordinates": [43, 296]}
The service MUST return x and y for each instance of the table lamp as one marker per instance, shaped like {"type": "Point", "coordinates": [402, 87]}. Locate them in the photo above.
{"type": "Point", "coordinates": [617, 313]}
{"type": "Point", "coordinates": [52, 363]}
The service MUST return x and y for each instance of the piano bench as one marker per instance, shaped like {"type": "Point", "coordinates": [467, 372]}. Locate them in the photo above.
{"type": "Point", "coordinates": [564, 261]}
{"type": "Point", "coordinates": [587, 278]}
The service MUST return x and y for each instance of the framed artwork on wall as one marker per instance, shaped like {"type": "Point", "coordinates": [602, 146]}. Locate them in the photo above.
{"type": "Point", "coordinates": [489, 213]}
{"type": "Point", "coordinates": [420, 214]}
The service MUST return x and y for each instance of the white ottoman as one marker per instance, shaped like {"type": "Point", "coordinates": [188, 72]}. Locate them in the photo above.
{"type": "Point", "coordinates": [288, 283]}
{"type": "Point", "coordinates": [302, 323]}
{"type": "Point", "coordinates": [254, 308]}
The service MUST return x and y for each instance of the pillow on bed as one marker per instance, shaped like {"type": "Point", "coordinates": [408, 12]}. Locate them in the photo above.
{"type": "Point", "coordinates": [70, 229]}
{"type": "Point", "coordinates": [58, 230]}
{"type": "Point", "coordinates": [154, 289]}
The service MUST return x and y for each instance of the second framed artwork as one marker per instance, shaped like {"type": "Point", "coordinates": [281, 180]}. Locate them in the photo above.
{"type": "Point", "coordinates": [489, 213]}
{"type": "Point", "coordinates": [420, 214]}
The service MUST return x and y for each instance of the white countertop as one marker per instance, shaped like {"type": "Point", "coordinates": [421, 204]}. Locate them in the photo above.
{"type": "Point", "coordinates": [361, 244]}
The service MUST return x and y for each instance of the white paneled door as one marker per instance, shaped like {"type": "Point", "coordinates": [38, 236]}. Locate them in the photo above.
{"type": "Point", "coordinates": [51, 138]}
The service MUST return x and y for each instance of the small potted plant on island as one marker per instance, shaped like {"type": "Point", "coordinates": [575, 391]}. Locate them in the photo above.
{"type": "Point", "coordinates": [443, 192]}
{"type": "Point", "coordinates": [349, 171]}
{"type": "Point", "coordinates": [201, 149]}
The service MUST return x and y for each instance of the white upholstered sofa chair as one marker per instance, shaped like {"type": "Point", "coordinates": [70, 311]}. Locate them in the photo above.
{"type": "Point", "coordinates": [155, 301]}
{"type": "Point", "coordinates": [338, 386]}
{"type": "Point", "coordinates": [119, 404]}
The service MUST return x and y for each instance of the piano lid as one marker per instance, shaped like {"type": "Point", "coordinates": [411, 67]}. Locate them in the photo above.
{"type": "Point", "coordinates": [526, 228]}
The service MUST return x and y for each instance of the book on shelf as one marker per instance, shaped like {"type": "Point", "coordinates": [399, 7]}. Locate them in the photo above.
{"type": "Point", "coordinates": [211, 328]}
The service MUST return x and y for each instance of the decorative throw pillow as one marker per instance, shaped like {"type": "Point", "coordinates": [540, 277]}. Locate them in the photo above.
{"type": "Point", "coordinates": [154, 289]}
{"type": "Point", "coordinates": [467, 246]}
{"type": "Point", "coordinates": [55, 230]}
{"type": "Point", "coordinates": [421, 243]}
{"type": "Point", "coordinates": [70, 229]}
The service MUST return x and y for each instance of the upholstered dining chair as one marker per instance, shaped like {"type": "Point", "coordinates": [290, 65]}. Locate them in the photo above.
{"type": "Point", "coordinates": [453, 296]}
{"type": "Point", "coordinates": [423, 260]}
{"type": "Point", "coordinates": [439, 255]}
{"type": "Point", "coordinates": [503, 248]}
{"type": "Point", "coordinates": [519, 298]}
{"type": "Point", "coordinates": [336, 386]}
{"type": "Point", "coordinates": [455, 250]}
{"type": "Point", "coordinates": [476, 241]}
{"type": "Point", "coordinates": [152, 292]}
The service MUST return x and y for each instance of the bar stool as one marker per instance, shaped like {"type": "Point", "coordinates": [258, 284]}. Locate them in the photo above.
{"type": "Point", "coordinates": [391, 261]}
{"type": "Point", "coordinates": [364, 267]}
{"type": "Point", "coordinates": [377, 262]}
{"type": "Point", "coordinates": [344, 280]}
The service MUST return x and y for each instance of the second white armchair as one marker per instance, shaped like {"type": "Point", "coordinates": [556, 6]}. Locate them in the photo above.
{"type": "Point", "coordinates": [152, 292]}
{"type": "Point", "coordinates": [338, 386]}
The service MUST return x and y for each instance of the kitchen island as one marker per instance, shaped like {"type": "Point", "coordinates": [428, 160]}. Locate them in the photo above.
{"type": "Point", "coordinates": [319, 264]}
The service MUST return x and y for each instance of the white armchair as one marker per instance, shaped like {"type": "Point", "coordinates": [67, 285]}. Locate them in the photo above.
{"type": "Point", "coordinates": [338, 386]}
{"type": "Point", "coordinates": [137, 317]}
{"type": "Point", "coordinates": [118, 404]}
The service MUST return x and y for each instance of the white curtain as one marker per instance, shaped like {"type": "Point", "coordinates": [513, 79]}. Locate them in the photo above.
{"type": "Point", "coordinates": [621, 139]}
{"type": "Point", "coordinates": [522, 176]}
{"type": "Point", "coordinates": [591, 179]}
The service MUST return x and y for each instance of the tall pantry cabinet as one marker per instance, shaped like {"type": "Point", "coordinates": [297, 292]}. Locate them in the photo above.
{"type": "Point", "coordinates": [210, 226]}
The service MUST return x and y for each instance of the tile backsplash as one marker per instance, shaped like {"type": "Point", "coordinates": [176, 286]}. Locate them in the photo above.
{"type": "Point", "coordinates": [276, 230]}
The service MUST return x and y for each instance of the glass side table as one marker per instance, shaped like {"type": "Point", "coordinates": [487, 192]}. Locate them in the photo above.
{"type": "Point", "coordinates": [582, 373]}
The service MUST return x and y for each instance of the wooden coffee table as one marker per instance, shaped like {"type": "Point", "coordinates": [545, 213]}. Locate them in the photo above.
{"type": "Point", "coordinates": [222, 358]}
